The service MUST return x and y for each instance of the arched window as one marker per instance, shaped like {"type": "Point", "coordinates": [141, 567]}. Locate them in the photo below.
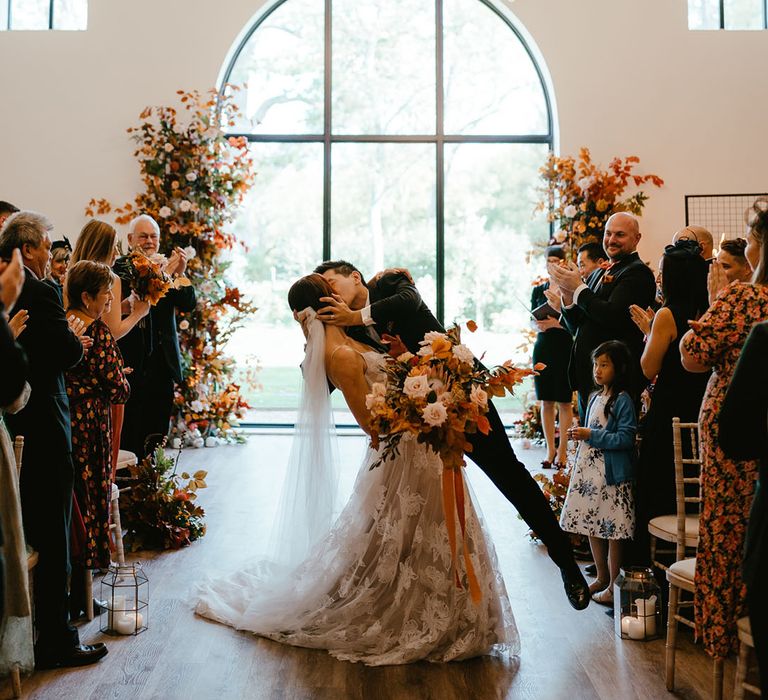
{"type": "Point", "coordinates": [392, 134]}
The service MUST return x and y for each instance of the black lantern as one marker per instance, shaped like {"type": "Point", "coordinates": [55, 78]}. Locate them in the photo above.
{"type": "Point", "coordinates": [637, 604]}
{"type": "Point", "coordinates": [125, 588]}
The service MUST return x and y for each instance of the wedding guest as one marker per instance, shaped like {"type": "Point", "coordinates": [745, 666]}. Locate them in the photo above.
{"type": "Point", "coordinates": [589, 258]}
{"type": "Point", "coordinates": [46, 479]}
{"type": "Point", "coordinates": [676, 392]}
{"type": "Point", "coordinates": [6, 209]}
{"type": "Point", "coordinates": [552, 386]}
{"type": "Point", "coordinates": [699, 235]}
{"type": "Point", "coordinates": [598, 310]}
{"type": "Point", "coordinates": [744, 436]}
{"type": "Point", "coordinates": [97, 242]}
{"type": "Point", "coordinates": [151, 348]}
{"type": "Point", "coordinates": [714, 343]}
{"type": "Point", "coordinates": [733, 261]}
{"type": "Point", "coordinates": [92, 386]}
{"type": "Point", "coordinates": [599, 501]}
{"type": "Point", "coordinates": [60, 252]}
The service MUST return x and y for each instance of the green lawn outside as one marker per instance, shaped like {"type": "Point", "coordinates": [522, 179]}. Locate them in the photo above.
{"type": "Point", "coordinates": [281, 390]}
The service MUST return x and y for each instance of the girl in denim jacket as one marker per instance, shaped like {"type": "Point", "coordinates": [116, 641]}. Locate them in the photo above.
{"type": "Point", "coordinates": [599, 502]}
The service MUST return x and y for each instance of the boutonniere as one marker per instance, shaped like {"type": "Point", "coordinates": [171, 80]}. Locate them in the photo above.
{"type": "Point", "coordinates": [607, 276]}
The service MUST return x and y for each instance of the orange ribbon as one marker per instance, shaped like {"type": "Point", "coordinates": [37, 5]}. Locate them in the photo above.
{"type": "Point", "coordinates": [453, 503]}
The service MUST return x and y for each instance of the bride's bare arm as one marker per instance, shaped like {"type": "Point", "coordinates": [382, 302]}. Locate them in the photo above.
{"type": "Point", "coordinates": [347, 372]}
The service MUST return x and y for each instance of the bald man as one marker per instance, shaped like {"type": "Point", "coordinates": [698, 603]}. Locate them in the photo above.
{"type": "Point", "coordinates": [701, 236]}
{"type": "Point", "coordinates": [599, 310]}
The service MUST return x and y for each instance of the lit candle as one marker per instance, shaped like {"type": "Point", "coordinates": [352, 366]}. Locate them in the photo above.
{"type": "Point", "coordinates": [646, 613]}
{"type": "Point", "coordinates": [116, 609]}
{"type": "Point", "coordinates": [633, 627]}
{"type": "Point", "coordinates": [129, 622]}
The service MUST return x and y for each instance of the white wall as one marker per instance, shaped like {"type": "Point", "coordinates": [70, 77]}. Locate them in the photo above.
{"type": "Point", "coordinates": [629, 78]}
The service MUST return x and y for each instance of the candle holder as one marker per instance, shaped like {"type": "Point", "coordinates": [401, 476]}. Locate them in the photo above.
{"type": "Point", "coordinates": [125, 588]}
{"type": "Point", "coordinates": [637, 604]}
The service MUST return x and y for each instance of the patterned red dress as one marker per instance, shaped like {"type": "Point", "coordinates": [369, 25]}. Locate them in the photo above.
{"type": "Point", "coordinates": [92, 386]}
{"type": "Point", "coordinates": [727, 485]}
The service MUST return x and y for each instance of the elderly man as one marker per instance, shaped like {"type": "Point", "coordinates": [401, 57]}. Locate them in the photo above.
{"type": "Point", "coordinates": [598, 310]}
{"type": "Point", "coordinates": [701, 236]}
{"type": "Point", "coordinates": [47, 475]}
{"type": "Point", "coordinates": [151, 348]}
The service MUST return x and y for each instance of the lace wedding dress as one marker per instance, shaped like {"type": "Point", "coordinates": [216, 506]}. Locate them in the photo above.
{"type": "Point", "coordinates": [379, 587]}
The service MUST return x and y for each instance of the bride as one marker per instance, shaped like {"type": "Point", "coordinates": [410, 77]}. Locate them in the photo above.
{"type": "Point", "coordinates": [378, 584]}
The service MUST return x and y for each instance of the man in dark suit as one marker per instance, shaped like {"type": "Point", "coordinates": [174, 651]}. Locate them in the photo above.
{"type": "Point", "coordinates": [598, 310]}
{"type": "Point", "coordinates": [391, 305]}
{"type": "Point", "coordinates": [744, 436]}
{"type": "Point", "coordinates": [151, 348]}
{"type": "Point", "coordinates": [47, 474]}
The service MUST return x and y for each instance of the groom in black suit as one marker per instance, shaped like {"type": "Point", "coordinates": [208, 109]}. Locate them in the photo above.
{"type": "Point", "coordinates": [391, 305]}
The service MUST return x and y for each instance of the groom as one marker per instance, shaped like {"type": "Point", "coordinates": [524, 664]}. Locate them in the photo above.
{"type": "Point", "coordinates": [391, 305]}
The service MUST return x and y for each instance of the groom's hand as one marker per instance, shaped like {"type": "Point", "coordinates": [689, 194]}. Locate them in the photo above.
{"type": "Point", "coordinates": [337, 313]}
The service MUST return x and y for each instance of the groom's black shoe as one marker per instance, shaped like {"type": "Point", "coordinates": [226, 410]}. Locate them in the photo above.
{"type": "Point", "coordinates": [576, 588]}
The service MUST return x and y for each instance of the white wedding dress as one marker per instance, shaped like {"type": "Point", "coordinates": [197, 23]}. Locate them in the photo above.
{"type": "Point", "coordinates": [378, 587]}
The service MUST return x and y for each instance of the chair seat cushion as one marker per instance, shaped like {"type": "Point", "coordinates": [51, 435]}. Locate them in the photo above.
{"type": "Point", "coordinates": [665, 527]}
{"type": "Point", "coordinates": [125, 458]}
{"type": "Point", "coordinates": [682, 573]}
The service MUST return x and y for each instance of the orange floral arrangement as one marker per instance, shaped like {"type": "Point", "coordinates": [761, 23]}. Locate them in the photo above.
{"type": "Point", "coordinates": [578, 196]}
{"type": "Point", "coordinates": [148, 281]}
{"type": "Point", "coordinates": [440, 395]}
{"type": "Point", "coordinates": [195, 176]}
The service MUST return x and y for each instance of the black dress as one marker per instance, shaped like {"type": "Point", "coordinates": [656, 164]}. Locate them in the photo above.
{"type": "Point", "coordinates": [553, 348]}
{"type": "Point", "coordinates": [677, 394]}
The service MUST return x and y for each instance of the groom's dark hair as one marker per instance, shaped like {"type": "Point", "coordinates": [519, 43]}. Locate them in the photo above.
{"type": "Point", "coordinates": [342, 267]}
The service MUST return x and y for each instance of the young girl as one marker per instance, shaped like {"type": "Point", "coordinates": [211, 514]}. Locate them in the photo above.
{"type": "Point", "coordinates": [599, 502]}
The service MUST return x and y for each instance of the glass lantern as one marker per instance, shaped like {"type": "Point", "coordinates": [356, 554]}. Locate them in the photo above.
{"type": "Point", "coordinates": [637, 604]}
{"type": "Point", "coordinates": [125, 588]}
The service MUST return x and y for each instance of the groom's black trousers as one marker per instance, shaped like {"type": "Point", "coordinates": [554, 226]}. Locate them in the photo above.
{"type": "Point", "coordinates": [495, 456]}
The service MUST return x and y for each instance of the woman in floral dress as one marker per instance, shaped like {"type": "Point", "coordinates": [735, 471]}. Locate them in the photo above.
{"type": "Point", "coordinates": [92, 386]}
{"type": "Point", "coordinates": [715, 342]}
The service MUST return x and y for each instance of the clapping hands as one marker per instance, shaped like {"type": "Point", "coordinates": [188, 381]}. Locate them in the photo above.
{"type": "Point", "coordinates": [642, 318]}
{"type": "Point", "coordinates": [566, 276]}
{"type": "Point", "coordinates": [716, 280]}
{"type": "Point", "coordinates": [78, 327]}
{"type": "Point", "coordinates": [18, 322]}
{"type": "Point", "coordinates": [177, 262]}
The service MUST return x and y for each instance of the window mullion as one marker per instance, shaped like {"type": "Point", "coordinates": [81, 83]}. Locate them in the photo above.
{"type": "Point", "coordinates": [439, 167]}
{"type": "Point", "coordinates": [327, 116]}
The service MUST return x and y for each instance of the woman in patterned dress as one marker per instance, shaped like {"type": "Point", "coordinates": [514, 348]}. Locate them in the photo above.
{"type": "Point", "coordinates": [92, 386]}
{"type": "Point", "coordinates": [714, 342]}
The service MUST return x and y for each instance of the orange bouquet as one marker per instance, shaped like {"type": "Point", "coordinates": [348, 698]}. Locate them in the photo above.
{"type": "Point", "coordinates": [148, 280]}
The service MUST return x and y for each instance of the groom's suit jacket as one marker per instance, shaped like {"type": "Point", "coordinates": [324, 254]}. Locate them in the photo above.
{"type": "Point", "coordinates": [398, 309]}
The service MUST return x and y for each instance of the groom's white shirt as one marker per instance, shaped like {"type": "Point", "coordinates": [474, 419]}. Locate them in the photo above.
{"type": "Point", "coordinates": [365, 312]}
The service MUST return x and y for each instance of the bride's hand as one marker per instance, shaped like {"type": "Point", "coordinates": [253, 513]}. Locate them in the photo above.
{"type": "Point", "coordinates": [374, 441]}
{"type": "Point", "coordinates": [337, 313]}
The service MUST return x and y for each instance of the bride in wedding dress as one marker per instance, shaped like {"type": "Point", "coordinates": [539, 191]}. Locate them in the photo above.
{"type": "Point", "coordinates": [378, 584]}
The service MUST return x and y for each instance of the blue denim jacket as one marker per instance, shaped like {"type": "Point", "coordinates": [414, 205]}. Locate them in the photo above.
{"type": "Point", "coordinates": [617, 439]}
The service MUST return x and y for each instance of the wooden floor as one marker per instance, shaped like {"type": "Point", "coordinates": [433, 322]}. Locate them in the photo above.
{"type": "Point", "coordinates": [565, 654]}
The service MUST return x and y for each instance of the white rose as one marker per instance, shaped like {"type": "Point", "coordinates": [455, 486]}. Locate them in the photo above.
{"type": "Point", "coordinates": [405, 357]}
{"type": "Point", "coordinates": [416, 387]}
{"type": "Point", "coordinates": [585, 183]}
{"type": "Point", "coordinates": [434, 413]}
{"type": "Point", "coordinates": [183, 325]}
{"type": "Point", "coordinates": [196, 405]}
{"type": "Point", "coordinates": [478, 396]}
{"type": "Point", "coordinates": [463, 354]}
{"type": "Point", "coordinates": [425, 350]}
{"type": "Point", "coordinates": [560, 236]}
{"type": "Point", "coordinates": [570, 211]}
{"type": "Point", "coordinates": [376, 397]}
{"type": "Point", "coordinates": [445, 398]}
{"type": "Point", "coordinates": [165, 212]}
{"type": "Point", "coordinates": [191, 176]}
{"type": "Point", "coordinates": [185, 205]}
{"type": "Point", "coordinates": [432, 335]}
{"type": "Point", "coordinates": [168, 147]}
{"type": "Point", "coordinates": [190, 252]}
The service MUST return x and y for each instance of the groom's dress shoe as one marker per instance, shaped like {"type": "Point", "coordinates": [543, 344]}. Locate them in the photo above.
{"type": "Point", "coordinates": [576, 589]}
{"type": "Point", "coordinates": [79, 655]}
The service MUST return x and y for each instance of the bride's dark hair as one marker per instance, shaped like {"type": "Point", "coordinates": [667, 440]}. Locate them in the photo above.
{"type": "Point", "coordinates": [307, 292]}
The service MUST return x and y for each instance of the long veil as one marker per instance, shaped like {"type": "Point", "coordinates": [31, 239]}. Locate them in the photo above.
{"type": "Point", "coordinates": [310, 492]}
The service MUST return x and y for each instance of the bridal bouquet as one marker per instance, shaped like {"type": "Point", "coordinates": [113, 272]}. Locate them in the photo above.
{"type": "Point", "coordinates": [440, 395]}
{"type": "Point", "coordinates": [149, 280]}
